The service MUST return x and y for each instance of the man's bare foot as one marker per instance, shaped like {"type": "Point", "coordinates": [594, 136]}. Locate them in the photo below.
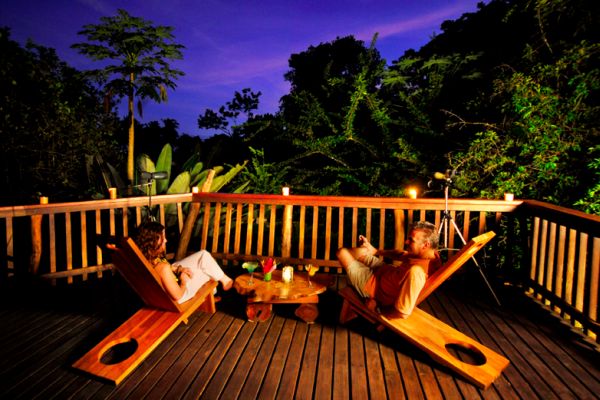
{"type": "Point", "coordinates": [227, 283]}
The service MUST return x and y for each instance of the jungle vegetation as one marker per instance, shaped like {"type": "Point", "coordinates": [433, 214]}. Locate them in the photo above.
{"type": "Point", "coordinates": [505, 98]}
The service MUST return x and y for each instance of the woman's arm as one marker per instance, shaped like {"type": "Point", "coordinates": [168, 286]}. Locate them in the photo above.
{"type": "Point", "coordinates": [169, 281]}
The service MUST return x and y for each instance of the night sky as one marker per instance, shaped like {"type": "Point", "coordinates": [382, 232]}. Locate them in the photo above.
{"type": "Point", "coordinates": [231, 45]}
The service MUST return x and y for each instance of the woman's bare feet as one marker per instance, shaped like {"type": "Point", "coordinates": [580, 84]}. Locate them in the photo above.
{"type": "Point", "coordinates": [227, 282]}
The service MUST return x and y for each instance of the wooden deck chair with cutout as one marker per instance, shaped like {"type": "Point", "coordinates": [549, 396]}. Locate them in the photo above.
{"type": "Point", "coordinates": [149, 326]}
{"type": "Point", "coordinates": [430, 334]}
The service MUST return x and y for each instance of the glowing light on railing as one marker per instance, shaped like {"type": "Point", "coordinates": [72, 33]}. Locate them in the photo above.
{"type": "Point", "coordinates": [412, 193]}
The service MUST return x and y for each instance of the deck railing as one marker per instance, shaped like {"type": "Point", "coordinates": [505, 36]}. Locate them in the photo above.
{"type": "Point", "coordinates": [563, 269]}
{"type": "Point", "coordinates": [556, 256]}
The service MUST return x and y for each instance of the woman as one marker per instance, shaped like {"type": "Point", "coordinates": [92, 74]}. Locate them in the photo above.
{"type": "Point", "coordinates": [182, 279]}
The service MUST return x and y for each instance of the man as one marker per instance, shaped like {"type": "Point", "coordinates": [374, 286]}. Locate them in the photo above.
{"type": "Point", "coordinates": [397, 284]}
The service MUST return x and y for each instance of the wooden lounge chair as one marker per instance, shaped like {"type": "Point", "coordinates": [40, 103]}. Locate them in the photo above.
{"type": "Point", "coordinates": [430, 334]}
{"type": "Point", "coordinates": [149, 326]}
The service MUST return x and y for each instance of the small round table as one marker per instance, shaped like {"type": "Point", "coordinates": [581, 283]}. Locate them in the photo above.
{"type": "Point", "coordinates": [262, 295]}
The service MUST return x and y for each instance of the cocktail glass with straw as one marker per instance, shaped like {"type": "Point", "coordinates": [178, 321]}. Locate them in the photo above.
{"type": "Point", "coordinates": [312, 270]}
{"type": "Point", "coordinates": [250, 267]}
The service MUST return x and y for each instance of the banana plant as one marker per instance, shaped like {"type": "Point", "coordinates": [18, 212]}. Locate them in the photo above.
{"type": "Point", "coordinates": [193, 175]}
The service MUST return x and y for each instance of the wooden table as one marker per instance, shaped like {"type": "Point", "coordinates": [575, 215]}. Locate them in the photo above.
{"type": "Point", "coordinates": [262, 295]}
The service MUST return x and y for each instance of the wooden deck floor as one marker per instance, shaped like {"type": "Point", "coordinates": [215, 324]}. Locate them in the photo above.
{"type": "Point", "coordinates": [224, 356]}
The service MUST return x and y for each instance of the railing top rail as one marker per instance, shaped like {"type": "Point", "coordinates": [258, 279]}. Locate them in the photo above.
{"type": "Point", "coordinates": [361, 202]}
{"type": "Point", "coordinates": [57, 208]}
{"type": "Point", "coordinates": [276, 199]}
{"type": "Point", "coordinates": [562, 215]}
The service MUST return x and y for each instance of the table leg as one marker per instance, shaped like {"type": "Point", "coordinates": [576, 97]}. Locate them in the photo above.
{"type": "Point", "coordinates": [258, 312]}
{"type": "Point", "coordinates": [308, 312]}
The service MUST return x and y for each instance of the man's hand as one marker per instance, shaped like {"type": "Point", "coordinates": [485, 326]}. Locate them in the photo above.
{"type": "Point", "coordinates": [364, 243]}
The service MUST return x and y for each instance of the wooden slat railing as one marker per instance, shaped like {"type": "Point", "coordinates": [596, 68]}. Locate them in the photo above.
{"type": "Point", "coordinates": [298, 230]}
{"type": "Point", "coordinates": [564, 262]}
{"type": "Point", "coordinates": [295, 229]}
{"type": "Point", "coordinates": [73, 234]}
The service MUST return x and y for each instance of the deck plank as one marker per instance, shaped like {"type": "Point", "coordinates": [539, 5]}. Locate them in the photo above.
{"type": "Point", "coordinates": [289, 379]}
{"type": "Point", "coordinates": [308, 369]}
{"type": "Point", "coordinates": [184, 371]}
{"type": "Point", "coordinates": [374, 370]}
{"type": "Point", "coordinates": [276, 367]}
{"type": "Point", "coordinates": [324, 380]}
{"type": "Point", "coordinates": [358, 371]}
{"type": "Point", "coordinates": [217, 384]}
{"type": "Point", "coordinates": [391, 374]}
{"type": "Point", "coordinates": [341, 378]}
{"type": "Point", "coordinates": [240, 373]}
{"type": "Point", "coordinates": [200, 381]}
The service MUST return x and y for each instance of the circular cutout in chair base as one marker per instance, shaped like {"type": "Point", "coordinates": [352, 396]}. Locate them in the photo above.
{"type": "Point", "coordinates": [119, 352]}
{"type": "Point", "coordinates": [466, 353]}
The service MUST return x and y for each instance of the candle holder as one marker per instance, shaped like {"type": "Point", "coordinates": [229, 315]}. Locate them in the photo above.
{"type": "Point", "coordinates": [112, 193]}
{"type": "Point", "coordinates": [287, 274]}
{"type": "Point", "coordinates": [509, 197]}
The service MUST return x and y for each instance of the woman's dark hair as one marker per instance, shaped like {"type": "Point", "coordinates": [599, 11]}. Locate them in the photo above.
{"type": "Point", "coordinates": [149, 239]}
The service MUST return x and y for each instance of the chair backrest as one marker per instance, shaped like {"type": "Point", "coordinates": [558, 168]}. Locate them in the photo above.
{"type": "Point", "coordinates": [140, 274]}
{"type": "Point", "coordinates": [453, 264]}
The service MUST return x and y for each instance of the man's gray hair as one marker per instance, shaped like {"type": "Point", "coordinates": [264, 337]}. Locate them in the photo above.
{"type": "Point", "coordinates": [430, 230]}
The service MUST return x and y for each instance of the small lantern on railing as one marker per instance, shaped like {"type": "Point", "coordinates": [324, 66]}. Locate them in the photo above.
{"type": "Point", "coordinates": [412, 193]}
{"type": "Point", "coordinates": [285, 190]}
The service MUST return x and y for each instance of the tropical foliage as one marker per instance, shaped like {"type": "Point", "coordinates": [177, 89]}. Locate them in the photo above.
{"type": "Point", "coordinates": [507, 96]}
{"type": "Point", "coordinates": [52, 126]}
{"type": "Point", "coordinates": [140, 52]}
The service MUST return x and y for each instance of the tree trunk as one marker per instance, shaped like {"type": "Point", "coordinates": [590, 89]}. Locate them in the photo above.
{"type": "Point", "coordinates": [190, 220]}
{"type": "Point", "coordinates": [130, 147]}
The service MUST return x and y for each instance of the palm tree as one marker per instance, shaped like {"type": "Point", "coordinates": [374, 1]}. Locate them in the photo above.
{"type": "Point", "coordinates": [138, 53]}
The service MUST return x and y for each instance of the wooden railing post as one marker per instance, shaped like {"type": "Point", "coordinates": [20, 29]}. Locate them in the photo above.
{"type": "Point", "coordinates": [286, 231]}
{"type": "Point", "coordinates": [399, 229]}
{"type": "Point", "coordinates": [36, 240]}
{"type": "Point", "coordinates": [190, 220]}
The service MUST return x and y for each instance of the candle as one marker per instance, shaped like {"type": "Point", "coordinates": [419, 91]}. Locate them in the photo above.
{"type": "Point", "coordinates": [195, 190]}
{"type": "Point", "coordinates": [285, 191]}
{"type": "Point", "coordinates": [509, 197]}
{"type": "Point", "coordinates": [112, 193]}
{"type": "Point", "coordinates": [43, 200]}
{"type": "Point", "coordinates": [412, 193]}
{"type": "Point", "coordinates": [287, 274]}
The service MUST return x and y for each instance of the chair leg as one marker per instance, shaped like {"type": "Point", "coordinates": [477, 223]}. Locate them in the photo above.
{"type": "Point", "coordinates": [347, 313]}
